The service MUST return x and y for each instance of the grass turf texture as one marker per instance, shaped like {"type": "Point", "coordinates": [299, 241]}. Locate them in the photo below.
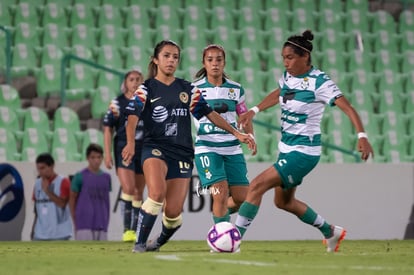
{"type": "Point", "coordinates": [193, 257]}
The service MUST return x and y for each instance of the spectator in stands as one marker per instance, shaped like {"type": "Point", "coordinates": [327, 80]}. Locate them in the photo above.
{"type": "Point", "coordinates": [164, 103]}
{"type": "Point", "coordinates": [219, 157]}
{"type": "Point", "coordinates": [303, 93]}
{"type": "Point", "coordinates": [130, 175]}
{"type": "Point", "coordinates": [51, 195]}
{"type": "Point", "coordinates": [89, 198]}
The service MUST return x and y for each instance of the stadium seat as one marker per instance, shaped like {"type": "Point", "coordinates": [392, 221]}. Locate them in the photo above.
{"type": "Point", "coordinates": [356, 20]}
{"type": "Point", "coordinates": [195, 37]}
{"type": "Point", "coordinates": [333, 59]}
{"type": "Point", "coordinates": [407, 40]}
{"type": "Point", "coordinates": [66, 118]}
{"type": "Point", "coordinates": [83, 34]}
{"type": "Point", "coordinates": [274, 39]}
{"type": "Point", "coordinates": [195, 16]}
{"type": "Point", "coordinates": [54, 11]}
{"type": "Point", "coordinates": [10, 120]}
{"type": "Point", "coordinates": [407, 62]}
{"type": "Point", "coordinates": [10, 97]}
{"type": "Point", "coordinates": [51, 54]}
{"type": "Point", "coordinates": [302, 19]}
{"type": "Point", "coordinates": [276, 16]}
{"type": "Point", "coordinates": [55, 34]}
{"type": "Point", "coordinates": [48, 81]}
{"type": "Point", "coordinates": [27, 11]}
{"type": "Point", "coordinates": [64, 146]}
{"type": "Point", "coordinates": [118, 3]}
{"type": "Point", "coordinates": [35, 117]}
{"type": "Point", "coordinates": [26, 33]}
{"type": "Point", "coordinates": [169, 32]}
{"type": "Point", "coordinates": [389, 97]}
{"type": "Point", "coordinates": [34, 142]}
{"type": "Point", "coordinates": [110, 80]}
{"type": "Point", "coordinates": [139, 15]}
{"type": "Point", "coordinates": [191, 57]}
{"type": "Point", "coordinates": [138, 35]}
{"type": "Point", "coordinates": [111, 14]}
{"type": "Point", "coordinates": [7, 9]}
{"type": "Point", "coordinates": [221, 16]}
{"type": "Point", "coordinates": [24, 60]}
{"type": "Point", "coordinates": [249, 15]}
{"type": "Point", "coordinates": [8, 146]}
{"type": "Point", "coordinates": [82, 51]}
{"type": "Point", "coordinates": [167, 14]}
{"type": "Point", "coordinates": [100, 101]}
{"type": "Point", "coordinates": [382, 20]}
{"type": "Point", "coordinates": [251, 36]}
{"type": "Point", "coordinates": [81, 81]}
{"type": "Point", "coordinates": [109, 56]}
{"type": "Point", "coordinates": [248, 58]}
{"type": "Point", "coordinates": [360, 60]}
{"type": "Point", "coordinates": [135, 58]}
{"type": "Point", "coordinates": [111, 34]}
{"type": "Point", "coordinates": [395, 146]}
{"type": "Point", "coordinates": [84, 13]}
{"type": "Point", "coordinates": [406, 20]}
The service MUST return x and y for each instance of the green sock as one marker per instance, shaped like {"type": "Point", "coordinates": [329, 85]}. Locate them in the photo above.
{"type": "Point", "coordinates": [225, 218]}
{"type": "Point", "coordinates": [232, 210]}
{"type": "Point", "coordinates": [312, 218]}
{"type": "Point", "coordinates": [247, 212]}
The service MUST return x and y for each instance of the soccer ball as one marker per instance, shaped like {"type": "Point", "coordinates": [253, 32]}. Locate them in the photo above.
{"type": "Point", "coordinates": [224, 237]}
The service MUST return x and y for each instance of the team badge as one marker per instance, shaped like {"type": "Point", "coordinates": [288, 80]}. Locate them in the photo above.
{"type": "Point", "coordinates": [305, 83]}
{"type": "Point", "coordinates": [208, 174]}
{"type": "Point", "coordinates": [231, 94]}
{"type": "Point", "coordinates": [184, 97]}
{"type": "Point", "coordinates": [156, 152]}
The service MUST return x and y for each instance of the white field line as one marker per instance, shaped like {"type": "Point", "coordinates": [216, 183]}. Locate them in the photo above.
{"type": "Point", "coordinates": [173, 257]}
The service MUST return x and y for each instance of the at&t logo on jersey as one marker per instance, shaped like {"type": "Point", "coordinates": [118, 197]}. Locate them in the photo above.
{"type": "Point", "coordinates": [159, 114]}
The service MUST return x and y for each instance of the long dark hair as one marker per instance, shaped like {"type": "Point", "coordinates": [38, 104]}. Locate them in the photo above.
{"type": "Point", "coordinates": [152, 67]}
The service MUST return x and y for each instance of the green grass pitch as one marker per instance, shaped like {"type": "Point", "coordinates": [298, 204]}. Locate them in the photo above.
{"type": "Point", "coordinates": [193, 257]}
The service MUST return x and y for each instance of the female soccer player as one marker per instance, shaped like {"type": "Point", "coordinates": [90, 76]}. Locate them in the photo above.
{"type": "Point", "coordinates": [130, 176]}
{"type": "Point", "coordinates": [164, 103]}
{"type": "Point", "coordinates": [303, 93]}
{"type": "Point", "coordinates": [218, 155]}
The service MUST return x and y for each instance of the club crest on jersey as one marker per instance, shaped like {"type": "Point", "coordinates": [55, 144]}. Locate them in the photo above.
{"type": "Point", "coordinates": [231, 94]}
{"type": "Point", "coordinates": [184, 97]}
{"type": "Point", "coordinates": [171, 129]}
{"type": "Point", "coordinates": [305, 83]}
{"type": "Point", "coordinates": [156, 152]}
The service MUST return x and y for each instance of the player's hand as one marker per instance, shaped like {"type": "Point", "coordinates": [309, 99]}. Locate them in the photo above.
{"type": "Point", "coordinates": [365, 148]}
{"type": "Point", "coordinates": [245, 118]}
{"type": "Point", "coordinates": [108, 162]}
{"type": "Point", "coordinates": [128, 153]}
{"type": "Point", "coordinates": [249, 140]}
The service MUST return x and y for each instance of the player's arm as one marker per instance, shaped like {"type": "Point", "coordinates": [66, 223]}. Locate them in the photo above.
{"type": "Point", "coordinates": [60, 200]}
{"type": "Point", "coordinates": [363, 144]}
{"type": "Point", "coordinates": [269, 101]}
{"type": "Point", "coordinates": [223, 124]}
{"type": "Point", "coordinates": [108, 135]}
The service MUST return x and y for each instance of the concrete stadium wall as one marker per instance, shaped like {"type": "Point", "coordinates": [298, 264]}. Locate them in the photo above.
{"type": "Point", "coordinates": [372, 201]}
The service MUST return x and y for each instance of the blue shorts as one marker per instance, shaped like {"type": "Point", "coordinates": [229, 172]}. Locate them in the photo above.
{"type": "Point", "coordinates": [293, 167]}
{"type": "Point", "coordinates": [213, 167]}
{"type": "Point", "coordinates": [135, 164]}
{"type": "Point", "coordinates": [177, 168]}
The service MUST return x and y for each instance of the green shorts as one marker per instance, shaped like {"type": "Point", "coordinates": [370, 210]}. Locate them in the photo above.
{"type": "Point", "coordinates": [293, 167]}
{"type": "Point", "coordinates": [213, 167]}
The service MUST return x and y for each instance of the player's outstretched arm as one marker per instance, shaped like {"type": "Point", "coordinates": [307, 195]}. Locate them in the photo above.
{"type": "Point", "coordinates": [270, 100]}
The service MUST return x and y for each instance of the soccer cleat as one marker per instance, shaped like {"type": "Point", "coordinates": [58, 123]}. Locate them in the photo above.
{"type": "Point", "coordinates": [332, 243]}
{"type": "Point", "coordinates": [153, 245]}
{"type": "Point", "coordinates": [139, 248]}
{"type": "Point", "coordinates": [129, 236]}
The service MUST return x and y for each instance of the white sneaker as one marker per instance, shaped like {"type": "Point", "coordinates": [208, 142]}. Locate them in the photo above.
{"type": "Point", "coordinates": [332, 243]}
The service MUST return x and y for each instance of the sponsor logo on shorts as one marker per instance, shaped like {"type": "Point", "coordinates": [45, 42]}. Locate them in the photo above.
{"type": "Point", "coordinates": [156, 152]}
